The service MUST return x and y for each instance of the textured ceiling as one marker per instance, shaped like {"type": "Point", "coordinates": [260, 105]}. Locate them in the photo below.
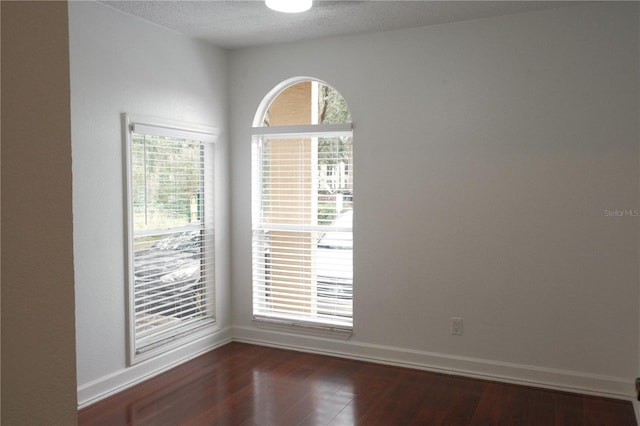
{"type": "Point", "coordinates": [236, 23]}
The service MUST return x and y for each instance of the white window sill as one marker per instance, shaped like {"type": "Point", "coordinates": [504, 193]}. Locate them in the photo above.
{"type": "Point", "coordinates": [313, 329]}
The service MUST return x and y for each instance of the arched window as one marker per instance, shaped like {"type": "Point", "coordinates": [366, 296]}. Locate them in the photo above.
{"type": "Point", "coordinates": [302, 211]}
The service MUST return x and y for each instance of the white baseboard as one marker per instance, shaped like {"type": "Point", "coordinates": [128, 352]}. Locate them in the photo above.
{"type": "Point", "coordinates": [111, 384]}
{"type": "Point", "coordinates": [564, 380]}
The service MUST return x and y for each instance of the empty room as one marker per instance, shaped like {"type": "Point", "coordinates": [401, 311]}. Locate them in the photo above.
{"type": "Point", "coordinates": [363, 212]}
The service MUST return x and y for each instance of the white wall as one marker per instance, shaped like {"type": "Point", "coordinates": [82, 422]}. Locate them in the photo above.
{"type": "Point", "coordinates": [486, 154]}
{"type": "Point", "coordinates": [123, 64]}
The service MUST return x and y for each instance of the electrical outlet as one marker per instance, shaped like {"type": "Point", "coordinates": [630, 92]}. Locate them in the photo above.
{"type": "Point", "coordinates": [456, 326]}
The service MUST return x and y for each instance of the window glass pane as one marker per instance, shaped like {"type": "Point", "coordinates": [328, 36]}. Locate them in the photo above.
{"type": "Point", "coordinates": [335, 179]}
{"type": "Point", "coordinates": [306, 181]}
{"type": "Point", "coordinates": [307, 102]}
{"type": "Point", "coordinates": [166, 180]}
{"type": "Point", "coordinates": [332, 108]}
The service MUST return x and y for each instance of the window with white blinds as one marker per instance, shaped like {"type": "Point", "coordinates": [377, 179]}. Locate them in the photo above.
{"type": "Point", "coordinates": [170, 238]}
{"type": "Point", "coordinates": [302, 217]}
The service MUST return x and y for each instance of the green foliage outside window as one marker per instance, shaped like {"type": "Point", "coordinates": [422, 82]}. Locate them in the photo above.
{"type": "Point", "coordinates": [166, 175]}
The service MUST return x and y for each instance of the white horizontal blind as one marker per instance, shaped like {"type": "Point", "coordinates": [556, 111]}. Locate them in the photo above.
{"type": "Point", "coordinates": [171, 237]}
{"type": "Point", "coordinates": [302, 229]}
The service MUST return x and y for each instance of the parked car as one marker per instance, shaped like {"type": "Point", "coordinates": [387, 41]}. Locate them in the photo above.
{"type": "Point", "coordinates": [334, 268]}
{"type": "Point", "coordinates": [168, 276]}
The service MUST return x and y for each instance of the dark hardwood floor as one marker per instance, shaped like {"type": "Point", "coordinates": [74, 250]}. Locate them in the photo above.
{"type": "Point", "coordinates": [241, 384]}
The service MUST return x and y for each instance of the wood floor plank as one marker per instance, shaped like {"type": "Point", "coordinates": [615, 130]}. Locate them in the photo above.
{"type": "Point", "coordinates": [447, 404]}
{"type": "Point", "coordinates": [568, 410]}
{"type": "Point", "coordinates": [241, 384]}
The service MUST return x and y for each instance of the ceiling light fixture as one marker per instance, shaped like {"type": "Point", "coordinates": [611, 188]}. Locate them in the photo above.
{"type": "Point", "coordinates": [289, 6]}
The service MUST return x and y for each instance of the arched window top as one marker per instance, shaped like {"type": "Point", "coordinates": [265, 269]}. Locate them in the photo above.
{"type": "Point", "coordinates": [302, 101]}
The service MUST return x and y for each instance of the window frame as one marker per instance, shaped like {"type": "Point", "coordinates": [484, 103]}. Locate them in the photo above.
{"type": "Point", "coordinates": [176, 337]}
